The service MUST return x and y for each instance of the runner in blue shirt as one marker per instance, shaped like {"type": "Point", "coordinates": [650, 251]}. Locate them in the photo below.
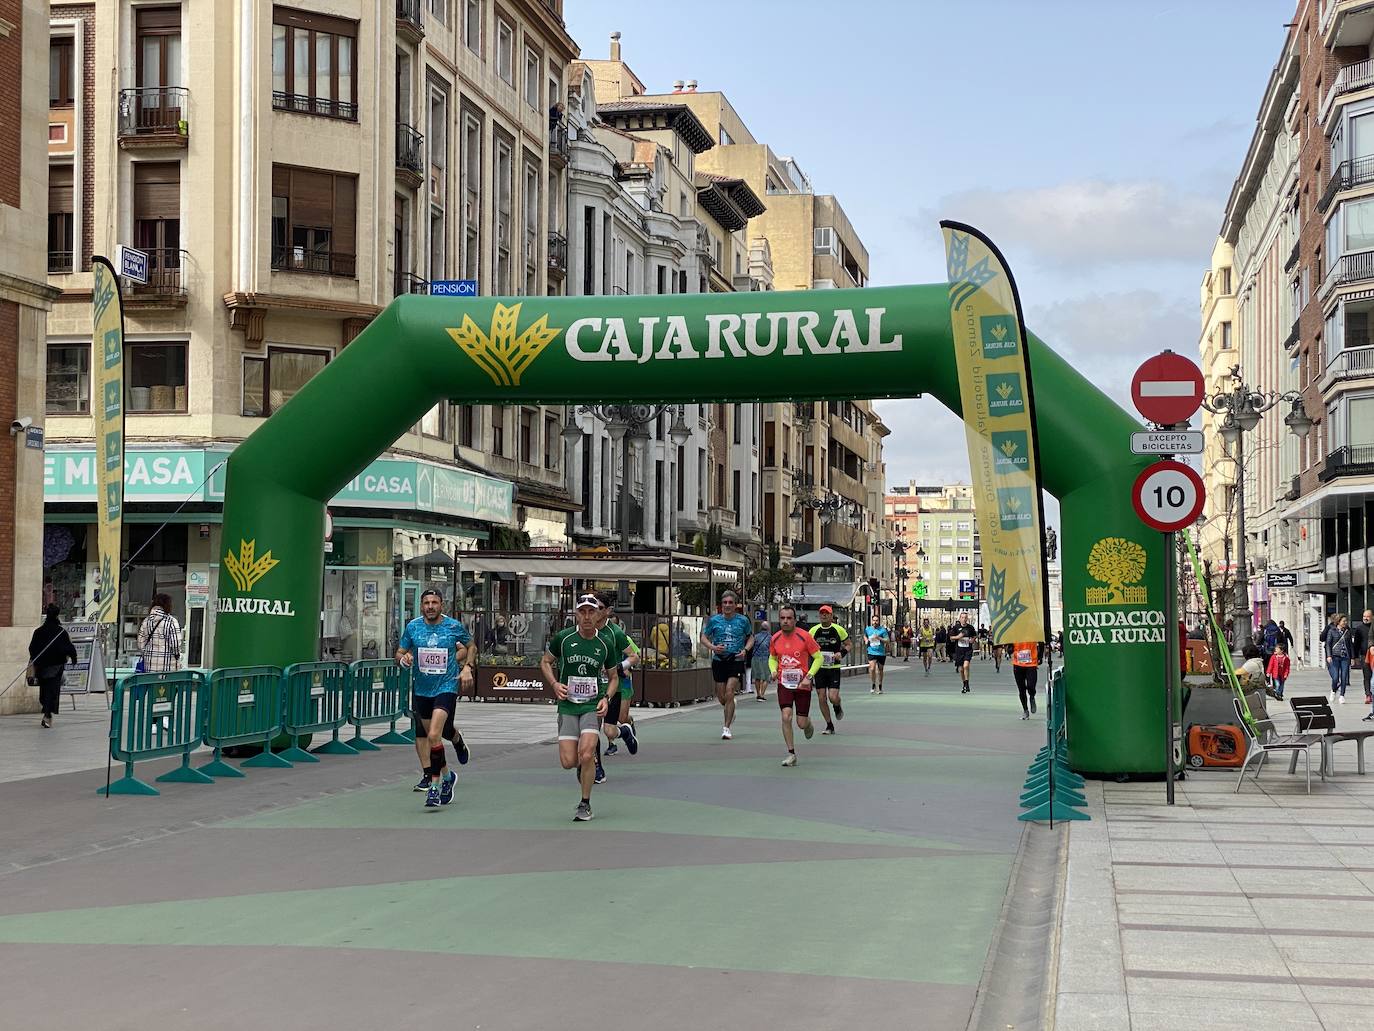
{"type": "Point", "coordinates": [876, 636]}
{"type": "Point", "coordinates": [434, 647]}
{"type": "Point", "coordinates": [729, 637]}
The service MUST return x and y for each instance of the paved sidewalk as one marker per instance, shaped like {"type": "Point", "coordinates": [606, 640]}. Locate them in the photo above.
{"type": "Point", "coordinates": [1249, 910]}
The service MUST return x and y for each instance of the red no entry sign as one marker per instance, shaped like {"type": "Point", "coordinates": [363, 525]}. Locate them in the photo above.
{"type": "Point", "coordinates": [1168, 496]}
{"type": "Point", "coordinates": [1167, 389]}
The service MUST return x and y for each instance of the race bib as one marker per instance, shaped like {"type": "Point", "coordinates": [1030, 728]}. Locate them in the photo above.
{"type": "Point", "coordinates": [791, 678]}
{"type": "Point", "coordinates": [432, 662]}
{"type": "Point", "coordinates": [830, 658]}
{"type": "Point", "coordinates": [583, 689]}
{"type": "Point", "coordinates": [965, 643]}
{"type": "Point", "coordinates": [1023, 656]}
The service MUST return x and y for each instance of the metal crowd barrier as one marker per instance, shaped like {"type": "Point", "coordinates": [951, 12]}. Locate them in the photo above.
{"type": "Point", "coordinates": [244, 707]}
{"type": "Point", "coordinates": [156, 715]}
{"type": "Point", "coordinates": [378, 692]}
{"type": "Point", "coordinates": [316, 698]}
{"type": "Point", "coordinates": [1053, 791]}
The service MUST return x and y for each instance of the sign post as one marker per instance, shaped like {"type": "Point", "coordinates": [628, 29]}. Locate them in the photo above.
{"type": "Point", "coordinates": [1167, 389]}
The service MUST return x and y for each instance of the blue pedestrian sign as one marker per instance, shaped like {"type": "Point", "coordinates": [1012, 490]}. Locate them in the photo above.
{"type": "Point", "coordinates": [453, 288]}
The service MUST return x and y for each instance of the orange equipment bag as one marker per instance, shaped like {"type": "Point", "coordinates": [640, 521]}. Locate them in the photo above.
{"type": "Point", "coordinates": [1213, 745]}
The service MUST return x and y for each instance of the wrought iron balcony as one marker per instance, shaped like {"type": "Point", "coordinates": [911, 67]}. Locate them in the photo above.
{"type": "Point", "coordinates": [409, 283]}
{"type": "Point", "coordinates": [1347, 176]}
{"type": "Point", "coordinates": [302, 104]}
{"type": "Point", "coordinates": [409, 20]}
{"type": "Point", "coordinates": [1350, 268]}
{"type": "Point", "coordinates": [1351, 363]}
{"type": "Point", "coordinates": [321, 262]}
{"type": "Point", "coordinates": [164, 272]}
{"type": "Point", "coordinates": [154, 116]}
{"type": "Point", "coordinates": [1352, 77]}
{"type": "Point", "coordinates": [558, 254]}
{"type": "Point", "coordinates": [60, 261]}
{"type": "Point", "coordinates": [1348, 460]}
{"type": "Point", "coordinates": [559, 148]}
{"type": "Point", "coordinates": [410, 148]}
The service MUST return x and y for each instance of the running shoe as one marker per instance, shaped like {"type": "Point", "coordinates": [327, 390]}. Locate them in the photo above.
{"type": "Point", "coordinates": [627, 734]}
{"type": "Point", "coordinates": [839, 711]}
{"type": "Point", "coordinates": [758, 697]}
{"type": "Point", "coordinates": [809, 730]}
{"type": "Point", "coordinates": [725, 734]}
{"type": "Point", "coordinates": [1033, 703]}
{"type": "Point", "coordinates": [461, 747]}
{"type": "Point", "coordinates": [584, 812]}
{"type": "Point", "coordinates": [1025, 715]}
{"type": "Point", "coordinates": [791, 759]}
{"type": "Point", "coordinates": [433, 800]}
{"type": "Point", "coordinates": [600, 775]}
{"type": "Point", "coordinates": [829, 729]}
{"type": "Point", "coordinates": [611, 749]}
{"type": "Point", "coordinates": [446, 787]}
{"type": "Point", "coordinates": [873, 689]}
{"type": "Point", "coordinates": [422, 784]}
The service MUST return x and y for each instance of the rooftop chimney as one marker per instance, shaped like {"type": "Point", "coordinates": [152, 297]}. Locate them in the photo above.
{"type": "Point", "coordinates": [615, 46]}
{"type": "Point", "coordinates": [677, 85]}
{"type": "Point", "coordinates": [691, 85]}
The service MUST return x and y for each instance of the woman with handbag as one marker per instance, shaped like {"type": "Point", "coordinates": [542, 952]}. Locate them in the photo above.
{"type": "Point", "coordinates": [1336, 642]}
{"type": "Point", "coordinates": [50, 649]}
{"type": "Point", "coordinates": [159, 639]}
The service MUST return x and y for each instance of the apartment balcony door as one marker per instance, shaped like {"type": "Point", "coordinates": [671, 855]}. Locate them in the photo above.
{"type": "Point", "coordinates": [157, 220]}
{"type": "Point", "coordinates": [159, 100]}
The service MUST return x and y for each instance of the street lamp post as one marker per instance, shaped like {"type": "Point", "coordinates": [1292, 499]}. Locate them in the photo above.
{"type": "Point", "coordinates": [626, 423]}
{"type": "Point", "coordinates": [899, 547]}
{"type": "Point", "coordinates": [1241, 409]}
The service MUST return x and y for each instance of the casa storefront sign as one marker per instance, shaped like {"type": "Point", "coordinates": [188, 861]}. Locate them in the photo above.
{"type": "Point", "coordinates": [190, 474]}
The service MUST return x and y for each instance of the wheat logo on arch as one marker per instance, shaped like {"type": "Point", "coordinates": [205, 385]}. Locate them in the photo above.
{"type": "Point", "coordinates": [245, 568]}
{"type": "Point", "coordinates": [500, 353]}
{"type": "Point", "coordinates": [1120, 564]}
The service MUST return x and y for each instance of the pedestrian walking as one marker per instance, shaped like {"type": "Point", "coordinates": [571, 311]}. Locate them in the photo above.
{"type": "Point", "coordinates": [159, 638]}
{"type": "Point", "coordinates": [1279, 668]}
{"type": "Point", "coordinates": [50, 649]}
{"type": "Point", "coordinates": [1361, 638]}
{"type": "Point", "coordinates": [759, 672]}
{"type": "Point", "coordinates": [1336, 645]}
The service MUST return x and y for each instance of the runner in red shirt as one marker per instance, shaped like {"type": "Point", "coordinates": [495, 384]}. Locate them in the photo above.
{"type": "Point", "coordinates": [793, 658]}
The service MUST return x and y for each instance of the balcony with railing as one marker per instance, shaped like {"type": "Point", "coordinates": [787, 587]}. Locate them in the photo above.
{"type": "Point", "coordinates": [155, 116]}
{"type": "Point", "coordinates": [60, 261]}
{"type": "Point", "coordinates": [1348, 176]}
{"type": "Point", "coordinates": [319, 261]}
{"type": "Point", "coordinates": [410, 24]}
{"type": "Point", "coordinates": [1348, 269]}
{"type": "Point", "coordinates": [303, 104]}
{"type": "Point", "coordinates": [1350, 79]}
{"type": "Point", "coordinates": [409, 283]}
{"type": "Point", "coordinates": [1345, 23]}
{"type": "Point", "coordinates": [559, 148]}
{"type": "Point", "coordinates": [558, 255]}
{"type": "Point", "coordinates": [1351, 363]}
{"type": "Point", "coordinates": [166, 287]}
{"type": "Point", "coordinates": [1348, 460]}
{"type": "Point", "coordinates": [410, 156]}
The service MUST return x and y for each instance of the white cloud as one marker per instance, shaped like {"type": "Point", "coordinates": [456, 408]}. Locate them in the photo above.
{"type": "Point", "coordinates": [1089, 223]}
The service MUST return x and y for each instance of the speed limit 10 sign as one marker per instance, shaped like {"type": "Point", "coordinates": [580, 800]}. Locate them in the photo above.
{"type": "Point", "coordinates": [1168, 496]}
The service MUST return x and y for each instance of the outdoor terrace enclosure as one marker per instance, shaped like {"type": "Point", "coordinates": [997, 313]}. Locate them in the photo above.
{"type": "Point", "coordinates": [883, 342]}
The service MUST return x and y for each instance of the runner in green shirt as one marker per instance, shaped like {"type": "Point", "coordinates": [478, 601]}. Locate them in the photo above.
{"type": "Point", "coordinates": [618, 722]}
{"type": "Point", "coordinates": [833, 641]}
{"type": "Point", "coordinates": [572, 668]}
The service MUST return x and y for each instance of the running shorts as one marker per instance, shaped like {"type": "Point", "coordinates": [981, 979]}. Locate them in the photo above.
{"type": "Point", "coordinates": [571, 727]}
{"type": "Point", "coordinates": [795, 698]}
{"type": "Point", "coordinates": [723, 670]}
{"type": "Point", "coordinates": [613, 704]}
{"type": "Point", "coordinates": [827, 678]}
{"type": "Point", "coordinates": [424, 707]}
{"type": "Point", "coordinates": [881, 660]}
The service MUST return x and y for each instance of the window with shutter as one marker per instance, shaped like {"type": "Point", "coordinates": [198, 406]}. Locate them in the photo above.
{"type": "Point", "coordinates": [314, 221]}
{"type": "Point", "coordinates": [61, 220]}
{"type": "Point", "coordinates": [157, 221]}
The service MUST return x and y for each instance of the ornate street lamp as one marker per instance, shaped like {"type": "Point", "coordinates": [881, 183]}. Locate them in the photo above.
{"type": "Point", "coordinates": [1241, 409]}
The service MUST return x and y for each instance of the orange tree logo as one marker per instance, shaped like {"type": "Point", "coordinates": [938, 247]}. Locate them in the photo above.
{"type": "Point", "coordinates": [246, 569]}
{"type": "Point", "coordinates": [1120, 564]}
{"type": "Point", "coordinates": [498, 680]}
{"type": "Point", "coordinates": [500, 353]}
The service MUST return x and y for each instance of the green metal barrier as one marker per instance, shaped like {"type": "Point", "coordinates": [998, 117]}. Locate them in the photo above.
{"type": "Point", "coordinates": [1052, 789]}
{"type": "Point", "coordinates": [316, 695]}
{"type": "Point", "coordinates": [244, 707]}
{"type": "Point", "coordinates": [156, 715]}
{"type": "Point", "coordinates": [378, 691]}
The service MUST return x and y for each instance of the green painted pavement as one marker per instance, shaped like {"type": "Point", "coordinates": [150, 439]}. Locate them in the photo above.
{"type": "Point", "coordinates": [486, 803]}
{"type": "Point", "coordinates": [920, 920]}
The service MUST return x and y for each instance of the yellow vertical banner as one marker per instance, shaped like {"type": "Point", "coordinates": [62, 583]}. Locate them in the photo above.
{"type": "Point", "coordinates": [107, 359]}
{"type": "Point", "coordinates": [999, 423]}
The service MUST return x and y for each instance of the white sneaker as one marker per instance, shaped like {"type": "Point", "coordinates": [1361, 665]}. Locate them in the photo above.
{"type": "Point", "coordinates": [1342, 699]}
{"type": "Point", "coordinates": [1332, 698]}
{"type": "Point", "coordinates": [791, 759]}
{"type": "Point", "coordinates": [725, 734]}
{"type": "Point", "coordinates": [873, 689]}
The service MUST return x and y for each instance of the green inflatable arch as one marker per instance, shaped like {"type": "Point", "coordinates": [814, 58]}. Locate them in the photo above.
{"type": "Point", "coordinates": [883, 342]}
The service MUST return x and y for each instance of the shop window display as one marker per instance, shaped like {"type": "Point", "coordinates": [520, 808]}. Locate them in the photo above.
{"type": "Point", "coordinates": [358, 596]}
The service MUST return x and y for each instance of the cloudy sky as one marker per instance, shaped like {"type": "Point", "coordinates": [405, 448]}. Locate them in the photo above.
{"type": "Point", "coordinates": [1095, 142]}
